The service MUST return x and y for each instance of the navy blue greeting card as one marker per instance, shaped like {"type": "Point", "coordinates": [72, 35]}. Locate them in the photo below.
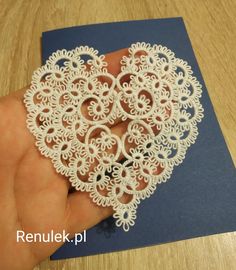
{"type": "Point", "coordinates": [200, 197]}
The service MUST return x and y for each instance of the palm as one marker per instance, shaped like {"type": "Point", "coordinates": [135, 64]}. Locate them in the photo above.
{"type": "Point", "coordinates": [33, 197]}
{"type": "Point", "coordinates": [32, 207]}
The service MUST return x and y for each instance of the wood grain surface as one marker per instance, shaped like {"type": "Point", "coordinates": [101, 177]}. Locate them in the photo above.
{"type": "Point", "coordinates": [212, 29]}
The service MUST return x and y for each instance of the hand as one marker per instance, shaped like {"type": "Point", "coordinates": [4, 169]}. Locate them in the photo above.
{"type": "Point", "coordinates": [33, 197]}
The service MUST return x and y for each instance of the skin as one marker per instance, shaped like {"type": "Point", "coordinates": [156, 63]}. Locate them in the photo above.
{"type": "Point", "coordinates": [33, 197]}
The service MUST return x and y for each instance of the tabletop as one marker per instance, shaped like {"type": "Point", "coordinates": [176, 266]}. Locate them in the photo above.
{"type": "Point", "coordinates": [211, 25]}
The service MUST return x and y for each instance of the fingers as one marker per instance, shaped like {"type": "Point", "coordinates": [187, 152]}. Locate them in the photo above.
{"type": "Point", "coordinates": [113, 61]}
{"type": "Point", "coordinates": [83, 213]}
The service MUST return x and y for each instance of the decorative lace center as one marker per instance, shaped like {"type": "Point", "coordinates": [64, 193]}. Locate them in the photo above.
{"type": "Point", "coordinates": [115, 137]}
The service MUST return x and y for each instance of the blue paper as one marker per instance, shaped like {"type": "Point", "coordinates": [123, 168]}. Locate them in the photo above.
{"type": "Point", "coordinates": [200, 197]}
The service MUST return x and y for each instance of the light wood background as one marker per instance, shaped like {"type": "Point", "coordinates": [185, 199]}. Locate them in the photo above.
{"type": "Point", "coordinates": [211, 25]}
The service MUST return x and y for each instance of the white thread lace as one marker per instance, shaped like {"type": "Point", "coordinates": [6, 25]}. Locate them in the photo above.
{"type": "Point", "coordinates": [76, 109]}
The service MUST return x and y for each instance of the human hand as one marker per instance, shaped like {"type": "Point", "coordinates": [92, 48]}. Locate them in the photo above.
{"type": "Point", "coordinates": [33, 197]}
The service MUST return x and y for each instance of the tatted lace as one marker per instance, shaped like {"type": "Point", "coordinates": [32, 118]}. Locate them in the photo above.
{"type": "Point", "coordinates": [115, 137]}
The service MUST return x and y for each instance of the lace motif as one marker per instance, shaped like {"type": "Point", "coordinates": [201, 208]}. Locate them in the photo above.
{"type": "Point", "coordinates": [75, 105]}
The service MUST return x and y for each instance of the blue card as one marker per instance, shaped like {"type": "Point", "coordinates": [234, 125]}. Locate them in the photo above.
{"type": "Point", "coordinates": [200, 197]}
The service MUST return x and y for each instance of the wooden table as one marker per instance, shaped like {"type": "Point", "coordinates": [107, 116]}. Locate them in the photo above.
{"type": "Point", "coordinates": [212, 29]}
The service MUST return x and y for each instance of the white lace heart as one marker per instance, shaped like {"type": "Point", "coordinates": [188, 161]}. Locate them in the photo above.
{"type": "Point", "coordinates": [77, 111]}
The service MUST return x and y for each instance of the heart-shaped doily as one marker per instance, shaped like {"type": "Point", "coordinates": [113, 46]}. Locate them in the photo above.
{"type": "Point", "coordinates": [115, 137]}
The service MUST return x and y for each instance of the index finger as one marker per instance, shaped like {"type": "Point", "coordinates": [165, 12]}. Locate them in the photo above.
{"type": "Point", "coordinates": [113, 66]}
